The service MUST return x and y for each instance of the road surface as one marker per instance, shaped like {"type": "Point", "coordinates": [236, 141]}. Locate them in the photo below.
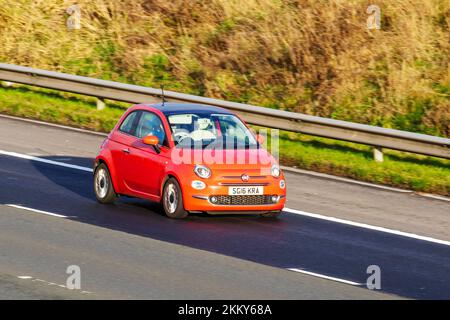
{"type": "Point", "coordinates": [320, 248]}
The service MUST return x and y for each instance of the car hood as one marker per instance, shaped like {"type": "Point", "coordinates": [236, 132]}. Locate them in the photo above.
{"type": "Point", "coordinates": [224, 159]}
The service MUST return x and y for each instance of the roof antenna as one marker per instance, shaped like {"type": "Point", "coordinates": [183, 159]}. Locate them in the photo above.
{"type": "Point", "coordinates": [162, 95]}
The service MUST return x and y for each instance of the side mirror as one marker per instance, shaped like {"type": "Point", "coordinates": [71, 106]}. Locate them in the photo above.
{"type": "Point", "coordinates": [260, 139]}
{"type": "Point", "coordinates": [150, 140]}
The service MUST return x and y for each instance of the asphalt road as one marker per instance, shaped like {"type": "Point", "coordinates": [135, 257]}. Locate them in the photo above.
{"type": "Point", "coordinates": [130, 250]}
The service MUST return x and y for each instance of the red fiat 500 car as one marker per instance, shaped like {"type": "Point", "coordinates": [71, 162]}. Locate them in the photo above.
{"type": "Point", "coordinates": [191, 158]}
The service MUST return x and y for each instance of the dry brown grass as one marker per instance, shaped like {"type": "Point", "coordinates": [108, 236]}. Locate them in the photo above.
{"type": "Point", "coordinates": [311, 56]}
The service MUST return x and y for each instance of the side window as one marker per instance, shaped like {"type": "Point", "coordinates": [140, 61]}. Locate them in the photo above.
{"type": "Point", "coordinates": [127, 124]}
{"type": "Point", "coordinates": [150, 124]}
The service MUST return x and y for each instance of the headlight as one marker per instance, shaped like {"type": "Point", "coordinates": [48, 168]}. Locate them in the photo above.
{"type": "Point", "coordinates": [275, 171]}
{"type": "Point", "coordinates": [202, 171]}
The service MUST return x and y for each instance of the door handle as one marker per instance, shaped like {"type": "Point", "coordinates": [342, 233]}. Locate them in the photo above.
{"type": "Point", "coordinates": [126, 150]}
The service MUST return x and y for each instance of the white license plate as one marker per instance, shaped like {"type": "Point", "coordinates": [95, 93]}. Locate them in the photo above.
{"type": "Point", "coordinates": [245, 191]}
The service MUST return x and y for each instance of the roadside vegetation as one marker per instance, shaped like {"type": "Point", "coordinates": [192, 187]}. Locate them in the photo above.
{"type": "Point", "coordinates": [309, 56]}
{"type": "Point", "coordinates": [420, 173]}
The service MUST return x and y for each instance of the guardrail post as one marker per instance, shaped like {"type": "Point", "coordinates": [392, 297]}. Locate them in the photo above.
{"type": "Point", "coordinates": [100, 104]}
{"type": "Point", "coordinates": [7, 84]}
{"type": "Point", "coordinates": [378, 154]}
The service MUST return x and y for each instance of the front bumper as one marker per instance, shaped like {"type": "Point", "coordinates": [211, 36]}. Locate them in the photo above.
{"type": "Point", "coordinates": [201, 200]}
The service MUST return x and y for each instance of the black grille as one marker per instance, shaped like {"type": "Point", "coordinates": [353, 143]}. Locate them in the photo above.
{"type": "Point", "coordinates": [252, 200]}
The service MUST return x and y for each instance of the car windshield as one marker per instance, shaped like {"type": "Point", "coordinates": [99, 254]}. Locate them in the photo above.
{"type": "Point", "coordinates": [200, 130]}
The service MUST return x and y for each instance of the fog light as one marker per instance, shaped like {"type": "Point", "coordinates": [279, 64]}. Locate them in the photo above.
{"type": "Point", "coordinates": [275, 198]}
{"type": "Point", "coordinates": [282, 184]}
{"type": "Point", "coordinates": [198, 185]}
{"type": "Point", "coordinates": [213, 199]}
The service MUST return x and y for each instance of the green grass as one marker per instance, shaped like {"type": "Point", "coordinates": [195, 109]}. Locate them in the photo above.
{"type": "Point", "coordinates": [51, 106]}
{"type": "Point", "coordinates": [308, 56]}
{"type": "Point", "coordinates": [399, 169]}
{"type": "Point", "coordinates": [420, 173]}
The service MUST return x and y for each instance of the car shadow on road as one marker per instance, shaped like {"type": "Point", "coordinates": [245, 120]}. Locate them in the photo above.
{"type": "Point", "coordinates": [291, 241]}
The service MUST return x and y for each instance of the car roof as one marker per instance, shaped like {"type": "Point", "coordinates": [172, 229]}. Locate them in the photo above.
{"type": "Point", "coordinates": [173, 108]}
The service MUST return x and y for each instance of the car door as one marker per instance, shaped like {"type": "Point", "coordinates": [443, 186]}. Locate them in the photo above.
{"type": "Point", "coordinates": [119, 144]}
{"type": "Point", "coordinates": [148, 162]}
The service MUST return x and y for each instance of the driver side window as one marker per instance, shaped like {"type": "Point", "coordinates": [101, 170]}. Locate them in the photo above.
{"type": "Point", "coordinates": [150, 124]}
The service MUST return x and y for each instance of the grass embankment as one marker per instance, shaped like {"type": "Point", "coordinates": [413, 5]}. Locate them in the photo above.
{"type": "Point", "coordinates": [399, 169]}
{"type": "Point", "coordinates": [308, 56]}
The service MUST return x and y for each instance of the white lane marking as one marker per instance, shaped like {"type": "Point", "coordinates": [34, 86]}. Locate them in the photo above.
{"type": "Point", "coordinates": [38, 211]}
{"type": "Point", "coordinates": [326, 277]}
{"type": "Point", "coordinates": [86, 292]}
{"type": "Point", "coordinates": [336, 178]}
{"type": "Point", "coordinates": [367, 226]}
{"type": "Point", "coordinates": [299, 212]}
{"type": "Point", "coordinates": [56, 163]}
{"type": "Point", "coordinates": [51, 283]}
{"type": "Point", "coordinates": [59, 126]}
{"type": "Point", "coordinates": [433, 196]}
{"type": "Point", "coordinates": [362, 183]}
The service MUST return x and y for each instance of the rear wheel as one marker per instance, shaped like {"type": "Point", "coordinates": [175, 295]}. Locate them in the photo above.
{"type": "Point", "coordinates": [272, 214]}
{"type": "Point", "coordinates": [103, 187]}
{"type": "Point", "coordinates": [172, 200]}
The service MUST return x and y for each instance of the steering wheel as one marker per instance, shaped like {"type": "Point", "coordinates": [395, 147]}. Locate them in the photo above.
{"type": "Point", "coordinates": [180, 136]}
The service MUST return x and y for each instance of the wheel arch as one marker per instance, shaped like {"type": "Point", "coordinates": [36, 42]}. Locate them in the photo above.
{"type": "Point", "coordinates": [99, 160]}
{"type": "Point", "coordinates": [167, 177]}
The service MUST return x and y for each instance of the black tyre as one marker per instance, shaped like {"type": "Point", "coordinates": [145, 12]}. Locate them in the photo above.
{"type": "Point", "coordinates": [272, 214]}
{"type": "Point", "coordinates": [172, 200]}
{"type": "Point", "coordinates": [103, 187]}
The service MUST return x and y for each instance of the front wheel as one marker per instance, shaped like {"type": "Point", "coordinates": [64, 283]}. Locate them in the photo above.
{"type": "Point", "coordinates": [103, 187]}
{"type": "Point", "coordinates": [172, 200]}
